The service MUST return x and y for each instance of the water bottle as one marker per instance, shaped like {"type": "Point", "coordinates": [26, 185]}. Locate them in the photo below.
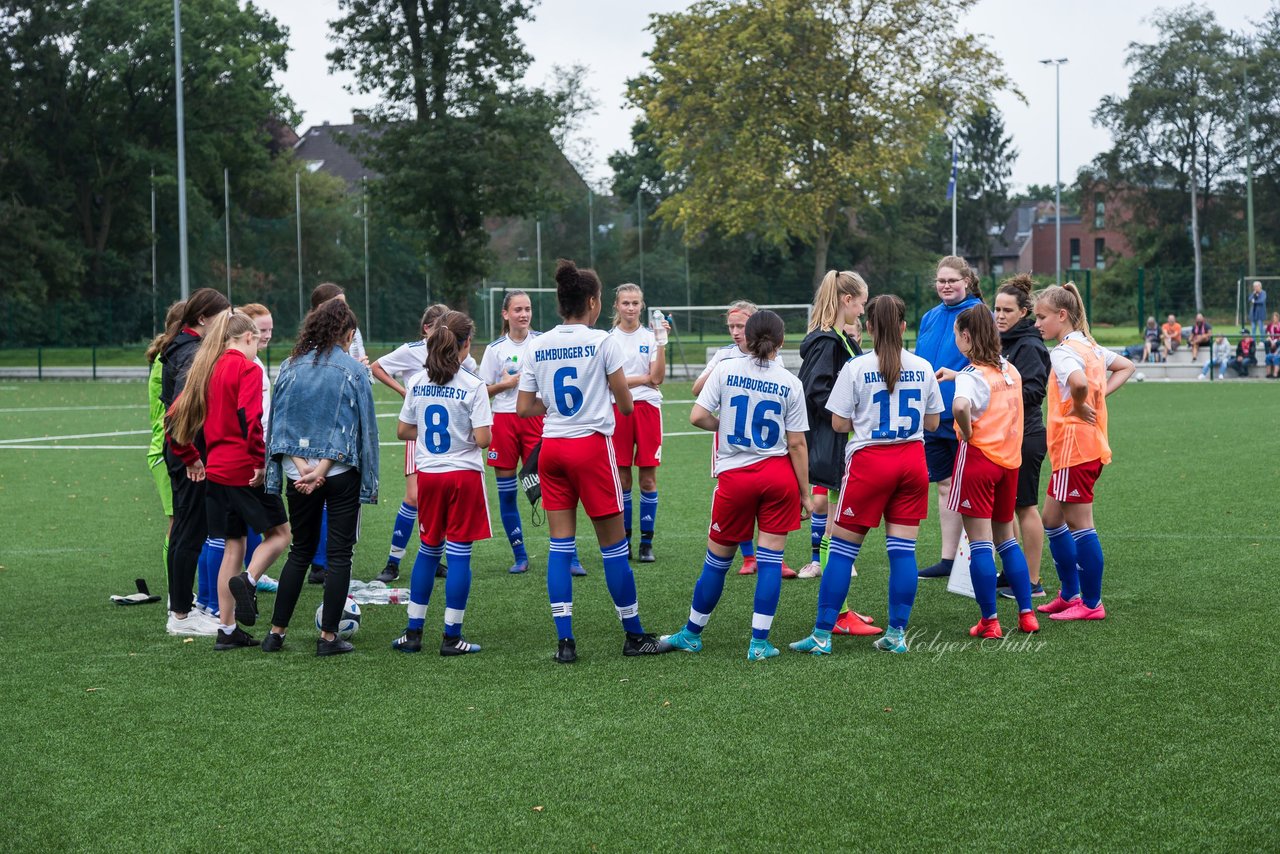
{"type": "Point", "coordinates": [513, 366]}
{"type": "Point", "coordinates": [398, 596]}
{"type": "Point", "coordinates": [656, 317]}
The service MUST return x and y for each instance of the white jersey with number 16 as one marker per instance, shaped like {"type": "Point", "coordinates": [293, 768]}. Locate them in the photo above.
{"type": "Point", "coordinates": [568, 368]}
{"type": "Point", "coordinates": [880, 416]}
{"type": "Point", "coordinates": [758, 405]}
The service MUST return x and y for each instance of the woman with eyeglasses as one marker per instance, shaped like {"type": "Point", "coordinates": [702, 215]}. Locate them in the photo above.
{"type": "Point", "coordinates": [957, 287]}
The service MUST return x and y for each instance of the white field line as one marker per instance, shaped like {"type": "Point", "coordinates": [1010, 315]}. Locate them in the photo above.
{"type": "Point", "coordinates": [19, 409]}
{"type": "Point", "coordinates": [15, 447]}
{"type": "Point", "coordinates": [74, 436]}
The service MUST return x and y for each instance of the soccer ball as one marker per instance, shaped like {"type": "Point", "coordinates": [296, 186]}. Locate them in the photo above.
{"type": "Point", "coordinates": [348, 623]}
{"type": "Point", "coordinates": [1139, 377]}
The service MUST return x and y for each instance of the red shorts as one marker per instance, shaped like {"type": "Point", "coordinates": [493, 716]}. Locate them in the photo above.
{"type": "Point", "coordinates": [514, 439]}
{"type": "Point", "coordinates": [410, 457]}
{"type": "Point", "coordinates": [820, 490]}
{"type": "Point", "coordinates": [452, 506]}
{"type": "Point", "coordinates": [637, 438]}
{"type": "Point", "coordinates": [980, 488]}
{"type": "Point", "coordinates": [766, 492]}
{"type": "Point", "coordinates": [1074, 484]}
{"type": "Point", "coordinates": [573, 470]}
{"type": "Point", "coordinates": [889, 481]}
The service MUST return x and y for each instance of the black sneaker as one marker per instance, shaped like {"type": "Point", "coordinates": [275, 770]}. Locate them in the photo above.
{"type": "Point", "coordinates": [389, 573]}
{"type": "Point", "coordinates": [410, 641]}
{"type": "Point", "coordinates": [246, 599]}
{"type": "Point", "coordinates": [457, 646]}
{"type": "Point", "coordinates": [337, 646]}
{"type": "Point", "coordinates": [237, 639]}
{"type": "Point", "coordinates": [317, 574]}
{"type": "Point", "coordinates": [272, 642]}
{"type": "Point", "coordinates": [646, 553]}
{"type": "Point", "coordinates": [1002, 582]}
{"type": "Point", "coordinates": [645, 644]}
{"type": "Point", "coordinates": [566, 651]}
{"type": "Point", "coordinates": [631, 549]}
{"type": "Point", "coordinates": [442, 571]}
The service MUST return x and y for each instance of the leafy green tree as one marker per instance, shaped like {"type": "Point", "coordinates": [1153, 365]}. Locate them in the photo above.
{"type": "Point", "coordinates": [780, 116]}
{"type": "Point", "coordinates": [458, 137]}
{"type": "Point", "coordinates": [986, 157]}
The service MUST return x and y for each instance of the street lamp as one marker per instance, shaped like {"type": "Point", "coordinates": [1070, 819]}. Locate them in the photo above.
{"type": "Point", "coordinates": [1057, 166]}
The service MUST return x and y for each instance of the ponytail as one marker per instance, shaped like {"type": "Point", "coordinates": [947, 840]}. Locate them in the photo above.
{"type": "Point", "coordinates": [431, 317]}
{"type": "Point", "coordinates": [885, 315]}
{"type": "Point", "coordinates": [1067, 297]}
{"type": "Point", "coordinates": [983, 336]}
{"type": "Point", "coordinates": [444, 358]}
{"type": "Point", "coordinates": [191, 407]}
{"type": "Point", "coordinates": [172, 326]}
{"type": "Point", "coordinates": [826, 302]}
{"type": "Point", "coordinates": [764, 336]}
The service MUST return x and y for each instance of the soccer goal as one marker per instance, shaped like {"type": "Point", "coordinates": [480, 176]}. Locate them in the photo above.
{"type": "Point", "coordinates": [695, 328]}
{"type": "Point", "coordinates": [541, 300]}
{"type": "Point", "coordinates": [1244, 285]}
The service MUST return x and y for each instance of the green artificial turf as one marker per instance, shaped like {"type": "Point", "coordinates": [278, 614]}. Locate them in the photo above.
{"type": "Point", "coordinates": [1154, 729]}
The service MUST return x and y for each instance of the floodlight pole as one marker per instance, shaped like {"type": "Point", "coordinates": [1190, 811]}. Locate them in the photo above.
{"type": "Point", "coordinates": [1057, 163]}
{"type": "Point", "coordinates": [640, 226]}
{"type": "Point", "coordinates": [154, 319]}
{"type": "Point", "coordinates": [297, 212]}
{"type": "Point", "coordinates": [364, 200]}
{"type": "Point", "coordinates": [591, 228]}
{"type": "Point", "coordinates": [1248, 172]}
{"type": "Point", "coordinates": [182, 151]}
{"type": "Point", "coordinates": [955, 188]}
{"type": "Point", "coordinates": [538, 239]}
{"type": "Point", "coordinates": [226, 210]}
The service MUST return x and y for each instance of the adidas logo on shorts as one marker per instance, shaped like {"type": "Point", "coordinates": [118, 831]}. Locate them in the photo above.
{"type": "Point", "coordinates": [848, 511]}
{"type": "Point", "coordinates": [1075, 493]}
{"type": "Point", "coordinates": [966, 504]}
{"type": "Point", "coordinates": [715, 526]}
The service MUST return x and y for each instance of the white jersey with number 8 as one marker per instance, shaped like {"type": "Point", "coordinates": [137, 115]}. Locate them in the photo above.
{"type": "Point", "coordinates": [758, 405]}
{"type": "Point", "coordinates": [568, 368]}
{"type": "Point", "coordinates": [446, 416]}
{"type": "Point", "coordinates": [880, 416]}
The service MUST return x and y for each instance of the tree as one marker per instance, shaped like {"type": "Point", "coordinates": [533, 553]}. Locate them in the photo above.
{"type": "Point", "coordinates": [1178, 125]}
{"type": "Point", "coordinates": [458, 137]}
{"type": "Point", "coordinates": [986, 159]}
{"type": "Point", "coordinates": [778, 117]}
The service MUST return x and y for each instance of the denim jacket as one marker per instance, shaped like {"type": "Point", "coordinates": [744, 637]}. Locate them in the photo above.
{"type": "Point", "coordinates": [323, 409]}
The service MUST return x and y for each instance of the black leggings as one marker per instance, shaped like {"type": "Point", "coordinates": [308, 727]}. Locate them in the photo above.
{"type": "Point", "coordinates": [342, 495]}
{"type": "Point", "coordinates": [190, 528]}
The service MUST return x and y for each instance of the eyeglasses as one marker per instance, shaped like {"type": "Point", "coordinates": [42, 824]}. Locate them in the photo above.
{"type": "Point", "coordinates": [949, 281]}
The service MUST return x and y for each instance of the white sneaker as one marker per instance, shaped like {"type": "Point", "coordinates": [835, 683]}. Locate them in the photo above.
{"type": "Point", "coordinates": [194, 625]}
{"type": "Point", "coordinates": [812, 569]}
{"type": "Point", "coordinates": [210, 618]}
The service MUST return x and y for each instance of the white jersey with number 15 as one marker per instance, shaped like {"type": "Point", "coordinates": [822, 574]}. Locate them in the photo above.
{"type": "Point", "coordinates": [880, 416]}
{"type": "Point", "coordinates": [568, 368]}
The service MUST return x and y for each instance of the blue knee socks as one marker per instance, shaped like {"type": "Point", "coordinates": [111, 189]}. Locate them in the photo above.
{"type": "Point", "coordinates": [626, 513]}
{"type": "Point", "coordinates": [405, 519]}
{"type": "Point", "coordinates": [706, 593]}
{"type": "Point", "coordinates": [835, 582]}
{"type": "Point", "coordinates": [982, 572]}
{"type": "Point", "coordinates": [768, 591]}
{"type": "Point", "coordinates": [1014, 563]}
{"type": "Point", "coordinates": [560, 585]}
{"type": "Point", "coordinates": [748, 548]}
{"type": "Point", "coordinates": [817, 527]}
{"type": "Point", "coordinates": [648, 513]}
{"type": "Point", "coordinates": [1063, 549]}
{"type": "Point", "coordinates": [1089, 554]}
{"type": "Point", "coordinates": [510, 512]}
{"type": "Point", "coordinates": [622, 585]}
{"type": "Point", "coordinates": [421, 581]}
{"type": "Point", "coordinates": [903, 579]}
{"type": "Point", "coordinates": [457, 586]}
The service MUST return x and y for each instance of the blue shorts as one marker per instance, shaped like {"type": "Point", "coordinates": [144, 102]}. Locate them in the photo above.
{"type": "Point", "coordinates": [940, 455]}
{"type": "Point", "coordinates": [1273, 360]}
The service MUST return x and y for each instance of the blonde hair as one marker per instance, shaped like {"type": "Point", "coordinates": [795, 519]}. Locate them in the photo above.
{"type": "Point", "coordinates": [192, 405]}
{"type": "Point", "coordinates": [172, 326]}
{"type": "Point", "coordinates": [747, 307]}
{"type": "Point", "coordinates": [1067, 297]}
{"type": "Point", "coordinates": [625, 288]}
{"type": "Point", "coordinates": [826, 303]}
{"type": "Point", "coordinates": [254, 310]}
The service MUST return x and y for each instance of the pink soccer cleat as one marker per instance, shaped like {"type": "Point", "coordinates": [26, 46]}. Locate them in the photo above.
{"type": "Point", "coordinates": [1028, 623]}
{"type": "Point", "coordinates": [987, 628]}
{"type": "Point", "coordinates": [1058, 604]}
{"type": "Point", "coordinates": [1081, 611]}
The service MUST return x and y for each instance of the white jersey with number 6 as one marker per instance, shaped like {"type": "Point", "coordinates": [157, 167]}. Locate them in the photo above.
{"type": "Point", "coordinates": [568, 368]}
{"type": "Point", "coordinates": [445, 416]}
{"type": "Point", "coordinates": [880, 416]}
{"type": "Point", "coordinates": [758, 405]}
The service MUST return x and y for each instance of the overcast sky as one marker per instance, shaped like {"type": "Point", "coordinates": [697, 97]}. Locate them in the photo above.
{"type": "Point", "coordinates": [610, 38]}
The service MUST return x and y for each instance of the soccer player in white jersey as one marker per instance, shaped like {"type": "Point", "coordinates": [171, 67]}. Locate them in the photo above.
{"type": "Point", "coordinates": [568, 377]}
{"type": "Point", "coordinates": [446, 415]}
{"type": "Point", "coordinates": [886, 399]}
{"type": "Point", "coordinates": [394, 370]}
{"type": "Point", "coordinates": [638, 437]}
{"type": "Point", "coordinates": [757, 409]}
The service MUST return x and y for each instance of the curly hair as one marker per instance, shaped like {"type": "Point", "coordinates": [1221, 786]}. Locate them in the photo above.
{"type": "Point", "coordinates": [324, 328]}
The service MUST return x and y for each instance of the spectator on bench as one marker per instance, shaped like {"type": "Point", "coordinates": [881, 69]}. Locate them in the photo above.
{"type": "Point", "coordinates": [1273, 346]}
{"type": "Point", "coordinates": [1150, 341]}
{"type": "Point", "coordinates": [1170, 336]}
{"type": "Point", "coordinates": [1246, 353]}
{"type": "Point", "coordinates": [1201, 335]}
{"type": "Point", "coordinates": [1219, 355]}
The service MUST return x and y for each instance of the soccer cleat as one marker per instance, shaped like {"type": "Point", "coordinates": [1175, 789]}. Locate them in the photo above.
{"type": "Point", "coordinates": [853, 623]}
{"type": "Point", "coordinates": [646, 553]}
{"type": "Point", "coordinates": [410, 641]}
{"type": "Point", "coordinates": [684, 641]}
{"type": "Point", "coordinates": [457, 646]}
{"type": "Point", "coordinates": [894, 640]}
{"type": "Point", "coordinates": [267, 584]}
{"type": "Point", "coordinates": [246, 599]}
{"type": "Point", "coordinates": [337, 646]}
{"type": "Point", "coordinates": [317, 574]}
{"type": "Point", "coordinates": [566, 651]}
{"type": "Point", "coordinates": [272, 642]}
{"type": "Point", "coordinates": [576, 569]}
{"type": "Point", "coordinates": [748, 566]}
{"type": "Point", "coordinates": [788, 572]}
{"type": "Point", "coordinates": [194, 625]}
{"type": "Point", "coordinates": [1057, 605]}
{"type": "Point", "coordinates": [987, 627]}
{"type": "Point", "coordinates": [814, 644]}
{"type": "Point", "coordinates": [812, 569]}
{"type": "Point", "coordinates": [935, 571]}
{"type": "Point", "coordinates": [389, 573]}
{"type": "Point", "coordinates": [1037, 591]}
{"type": "Point", "coordinates": [1081, 611]}
{"type": "Point", "coordinates": [645, 644]}
{"type": "Point", "coordinates": [864, 618]}
{"type": "Point", "coordinates": [442, 571]}
{"type": "Point", "coordinates": [1028, 623]}
{"type": "Point", "coordinates": [236, 640]}
{"type": "Point", "coordinates": [519, 567]}
{"type": "Point", "coordinates": [1002, 582]}
{"type": "Point", "coordinates": [760, 649]}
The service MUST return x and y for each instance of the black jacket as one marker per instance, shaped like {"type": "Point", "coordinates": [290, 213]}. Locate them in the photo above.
{"type": "Point", "coordinates": [177, 359]}
{"type": "Point", "coordinates": [1024, 347]}
{"type": "Point", "coordinates": [824, 354]}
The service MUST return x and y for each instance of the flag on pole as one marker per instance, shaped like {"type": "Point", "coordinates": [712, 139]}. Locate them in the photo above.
{"type": "Point", "coordinates": [955, 165]}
